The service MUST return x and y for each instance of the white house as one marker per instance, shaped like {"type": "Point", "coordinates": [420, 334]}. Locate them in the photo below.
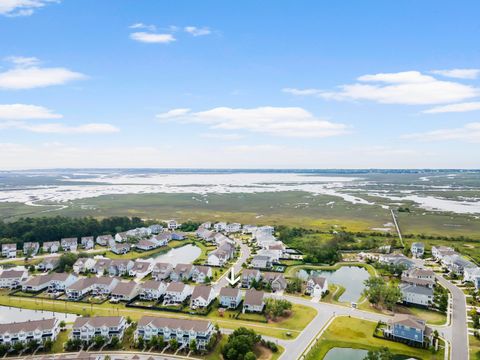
{"type": "Point", "coordinates": [146, 245]}
{"type": "Point", "coordinates": [418, 295]}
{"type": "Point", "coordinates": [253, 301]}
{"type": "Point", "coordinates": [69, 244]}
{"type": "Point", "coordinates": [98, 286]}
{"type": "Point", "coordinates": [220, 226]}
{"type": "Point", "coordinates": [31, 330]}
{"type": "Point", "coordinates": [276, 281]}
{"type": "Point", "coordinates": [101, 266]}
{"type": "Point", "coordinates": [172, 225]}
{"type": "Point", "coordinates": [181, 272]}
{"type": "Point", "coordinates": [121, 237]}
{"type": "Point", "coordinates": [51, 247]}
{"type": "Point", "coordinates": [230, 297]}
{"type": "Point", "coordinates": [161, 239]}
{"type": "Point", "coordinates": [176, 293]}
{"type": "Point", "coordinates": [87, 242]}
{"type": "Point", "coordinates": [202, 296]}
{"type": "Point", "coordinates": [11, 279]}
{"type": "Point", "coordinates": [152, 290]}
{"type": "Point", "coordinates": [200, 273]}
{"type": "Point", "coordinates": [316, 286]}
{"type": "Point", "coordinates": [417, 249]}
{"type": "Point", "coordinates": [162, 271]}
{"type": "Point", "coordinates": [233, 228]}
{"type": "Point", "coordinates": [31, 248]}
{"type": "Point", "coordinates": [183, 330]}
{"type": "Point", "coordinates": [261, 262]}
{"type": "Point", "coordinates": [141, 268]}
{"type": "Point", "coordinates": [86, 328]}
{"type": "Point", "coordinates": [456, 263]}
{"type": "Point", "coordinates": [156, 228]}
{"type": "Point", "coordinates": [9, 250]}
{"type": "Point", "coordinates": [104, 240]}
{"type": "Point", "coordinates": [125, 291]}
{"type": "Point", "coordinates": [120, 267]}
{"type": "Point", "coordinates": [439, 252]}
{"type": "Point", "coordinates": [54, 282]}
{"type": "Point", "coordinates": [249, 276]}
{"type": "Point", "coordinates": [84, 265]}
{"type": "Point", "coordinates": [48, 263]}
{"type": "Point", "coordinates": [471, 274]}
{"type": "Point", "coordinates": [205, 234]}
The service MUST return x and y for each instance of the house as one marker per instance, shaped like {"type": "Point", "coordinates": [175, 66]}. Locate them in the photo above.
{"type": "Point", "coordinates": [220, 226]}
{"type": "Point", "coordinates": [183, 330]}
{"type": "Point", "coordinates": [202, 296]}
{"type": "Point", "coordinates": [181, 272]}
{"type": "Point", "coordinates": [275, 250]}
{"type": "Point", "coordinates": [162, 271]}
{"type": "Point", "coordinates": [172, 225]}
{"type": "Point", "coordinates": [146, 245]}
{"type": "Point", "coordinates": [261, 262]}
{"type": "Point", "coordinates": [54, 282]}
{"type": "Point", "coordinates": [120, 267]}
{"type": "Point", "coordinates": [175, 235]}
{"type": "Point", "coordinates": [9, 250]}
{"type": "Point", "coordinates": [31, 248]}
{"type": "Point", "coordinates": [417, 249]}
{"type": "Point", "coordinates": [125, 291]}
{"type": "Point", "coordinates": [407, 328]}
{"type": "Point", "coordinates": [120, 249]}
{"type": "Point", "coordinates": [253, 301]}
{"type": "Point", "coordinates": [396, 260]}
{"type": "Point", "coordinates": [419, 277]}
{"type": "Point", "coordinates": [152, 290]}
{"type": "Point", "coordinates": [249, 229]}
{"type": "Point", "coordinates": [140, 268]}
{"type": "Point", "coordinates": [98, 286]}
{"type": "Point", "coordinates": [267, 229]}
{"type": "Point", "coordinates": [87, 242]}
{"type": "Point", "coordinates": [86, 328]}
{"type": "Point", "coordinates": [316, 286]}
{"type": "Point", "coordinates": [84, 265]}
{"type": "Point", "coordinates": [439, 252]}
{"type": "Point", "coordinates": [139, 232]}
{"type": "Point", "coordinates": [471, 274]}
{"type": "Point", "coordinates": [249, 276]}
{"type": "Point", "coordinates": [156, 228]}
{"type": "Point", "coordinates": [69, 244]}
{"type": "Point", "coordinates": [104, 240]}
{"type": "Point", "coordinates": [206, 225]}
{"type": "Point", "coordinates": [176, 293]}
{"type": "Point", "coordinates": [102, 266]}
{"type": "Point", "coordinates": [11, 279]}
{"type": "Point", "coordinates": [416, 294]}
{"type": "Point", "coordinates": [274, 256]}
{"type": "Point", "coordinates": [161, 239]}
{"type": "Point", "coordinates": [48, 263]}
{"type": "Point", "coordinates": [219, 239]}
{"type": "Point", "coordinates": [200, 273]}
{"type": "Point", "coordinates": [121, 237]}
{"type": "Point", "coordinates": [51, 247]}
{"type": "Point", "coordinates": [276, 281]}
{"type": "Point", "coordinates": [205, 234]}
{"type": "Point", "coordinates": [456, 264]}
{"type": "Point", "coordinates": [230, 297]}
{"type": "Point", "coordinates": [264, 239]}
{"type": "Point", "coordinates": [233, 228]}
{"type": "Point", "coordinates": [27, 331]}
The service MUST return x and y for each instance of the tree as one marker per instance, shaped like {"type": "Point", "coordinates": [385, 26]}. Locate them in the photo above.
{"type": "Point", "coordinates": [18, 347]}
{"type": "Point", "coordinates": [173, 344]}
{"type": "Point", "coordinates": [379, 293]}
{"type": "Point", "coordinates": [193, 345]}
{"type": "Point", "coordinates": [294, 286]}
{"type": "Point", "coordinates": [66, 262]}
{"type": "Point", "coordinates": [99, 341]}
{"type": "Point", "coordinates": [250, 356]}
{"type": "Point", "coordinates": [379, 354]}
{"type": "Point", "coordinates": [62, 325]}
{"type": "Point", "coordinates": [114, 342]}
{"type": "Point", "coordinates": [48, 344]}
{"type": "Point", "coordinates": [240, 342]}
{"type": "Point", "coordinates": [276, 307]}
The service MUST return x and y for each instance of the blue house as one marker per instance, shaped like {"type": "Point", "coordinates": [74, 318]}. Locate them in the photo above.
{"type": "Point", "coordinates": [408, 329]}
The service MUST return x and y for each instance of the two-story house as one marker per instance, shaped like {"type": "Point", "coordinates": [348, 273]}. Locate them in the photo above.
{"type": "Point", "coordinates": [230, 297]}
{"type": "Point", "coordinates": [86, 328]}
{"type": "Point", "coordinates": [202, 296]}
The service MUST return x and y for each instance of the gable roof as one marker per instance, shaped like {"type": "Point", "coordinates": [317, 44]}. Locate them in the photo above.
{"type": "Point", "coordinates": [201, 291]}
{"type": "Point", "coordinates": [253, 297]}
{"type": "Point", "coordinates": [98, 321]}
{"type": "Point", "coordinates": [172, 323]}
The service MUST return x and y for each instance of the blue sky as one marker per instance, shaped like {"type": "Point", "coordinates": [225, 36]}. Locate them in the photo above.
{"type": "Point", "coordinates": [277, 84]}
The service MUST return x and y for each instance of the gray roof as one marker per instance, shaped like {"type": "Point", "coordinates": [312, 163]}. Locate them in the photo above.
{"type": "Point", "coordinates": [175, 286]}
{"type": "Point", "coordinates": [125, 288]}
{"type": "Point", "coordinates": [172, 323]}
{"type": "Point", "coordinates": [202, 291]}
{"type": "Point", "coordinates": [27, 326]}
{"type": "Point", "coordinates": [98, 321]}
{"type": "Point", "coordinates": [253, 297]}
{"type": "Point", "coordinates": [420, 290]}
{"type": "Point", "coordinates": [229, 292]}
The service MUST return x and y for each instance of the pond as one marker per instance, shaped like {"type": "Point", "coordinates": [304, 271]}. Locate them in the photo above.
{"type": "Point", "coordinates": [185, 255]}
{"type": "Point", "coordinates": [345, 354]}
{"type": "Point", "coordinates": [350, 277]}
{"type": "Point", "coordinates": [11, 314]}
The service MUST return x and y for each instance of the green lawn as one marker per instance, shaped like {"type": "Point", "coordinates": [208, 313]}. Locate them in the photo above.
{"type": "Point", "coordinates": [61, 340]}
{"type": "Point", "coordinates": [474, 348]}
{"type": "Point", "coordinates": [355, 333]}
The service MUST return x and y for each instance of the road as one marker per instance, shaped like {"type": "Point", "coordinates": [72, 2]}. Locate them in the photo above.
{"type": "Point", "coordinates": [237, 266]}
{"type": "Point", "coordinates": [458, 329]}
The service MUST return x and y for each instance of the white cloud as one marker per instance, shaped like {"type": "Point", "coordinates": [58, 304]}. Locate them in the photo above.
{"type": "Point", "coordinates": [152, 38]}
{"type": "Point", "coordinates": [22, 61]}
{"type": "Point", "coordinates": [26, 75]}
{"type": "Point", "coordinates": [196, 31]}
{"type": "Point", "coordinates": [460, 107]}
{"type": "Point", "coordinates": [14, 8]}
{"type": "Point", "coordinates": [279, 121]}
{"type": "Point", "coordinates": [468, 133]}
{"type": "Point", "coordinates": [221, 136]}
{"type": "Point", "coordinates": [459, 73]}
{"type": "Point", "coordinates": [408, 88]}
{"type": "Point", "coordinates": [55, 128]}
{"type": "Point", "coordinates": [143, 26]}
{"type": "Point", "coordinates": [261, 148]}
{"type": "Point", "coordinates": [25, 112]}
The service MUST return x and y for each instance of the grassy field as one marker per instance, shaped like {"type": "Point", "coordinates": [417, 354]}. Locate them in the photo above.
{"type": "Point", "coordinates": [360, 336]}
{"type": "Point", "coordinates": [474, 348]}
{"type": "Point", "coordinates": [302, 315]}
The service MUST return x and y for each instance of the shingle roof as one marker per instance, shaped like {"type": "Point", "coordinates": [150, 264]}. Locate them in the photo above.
{"type": "Point", "coordinates": [253, 297]}
{"type": "Point", "coordinates": [202, 291]}
{"type": "Point", "coordinates": [98, 321]}
{"type": "Point", "coordinates": [229, 292]}
{"type": "Point", "coordinates": [175, 286]}
{"type": "Point", "coordinates": [408, 320]}
{"type": "Point", "coordinates": [27, 326]}
{"type": "Point", "coordinates": [171, 323]}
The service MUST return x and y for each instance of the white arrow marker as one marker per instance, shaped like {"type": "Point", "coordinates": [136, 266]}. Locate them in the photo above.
{"type": "Point", "coordinates": [231, 279]}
